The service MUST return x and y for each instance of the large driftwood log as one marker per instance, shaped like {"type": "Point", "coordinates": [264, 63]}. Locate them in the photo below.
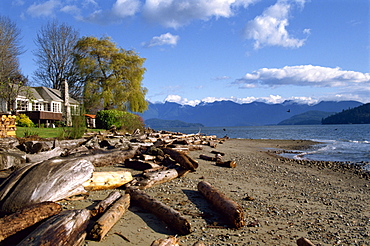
{"type": "Point", "coordinates": [170, 241]}
{"type": "Point", "coordinates": [51, 180]}
{"type": "Point", "coordinates": [110, 218]}
{"type": "Point", "coordinates": [42, 156]}
{"type": "Point", "coordinates": [27, 217]}
{"type": "Point", "coordinates": [108, 158]}
{"type": "Point", "coordinates": [104, 204]}
{"type": "Point", "coordinates": [65, 228]}
{"type": "Point", "coordinates": [160, 177]}
{"type": "Point", "coordinates": [139, 164]}
{"type": "Point", "coordinates": [182, 159]}
{"type": "Point", "coordinates": [232, 211]}
{"type": "Point", "coordinates": [231, 164]}
{"type": "Point", "coordinates": [167, 214]}
{"type": "Point", "coordinates": [107, 180]}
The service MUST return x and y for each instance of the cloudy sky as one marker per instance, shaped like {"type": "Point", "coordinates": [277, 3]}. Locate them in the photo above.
{"type": "Point", "coordinates": [207, 50]}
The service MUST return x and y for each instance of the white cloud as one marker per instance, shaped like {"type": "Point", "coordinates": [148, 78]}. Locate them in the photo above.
{"type": "Point", "coordinates": [269, 29]}
{"type": "Point", "coordinates": [176, 13]}
{"type": "Point", "coordinates": [71, 9]}
{"type": "Point", "coordinates": [120, 10]}
{"type": "Point", "coordinates": [44, 9]}
{"type": "Point", "coordinates": [304, 75]}
{"type": "Point", "coordinates": [183, 101]}
{"type": "Point", "coordinates": [164, 39]}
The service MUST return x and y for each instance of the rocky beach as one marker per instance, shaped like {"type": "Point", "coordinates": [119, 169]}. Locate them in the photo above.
{"type": "Point", "coordinates": [283, 200]}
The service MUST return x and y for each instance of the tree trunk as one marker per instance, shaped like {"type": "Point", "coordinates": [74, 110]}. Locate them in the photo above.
{"type": "Point", "coordinates": [104, 204]}
{"type": "Point", "coordinates": [167, 214]}
{"type": "Point", "coordinates": [182, 159]}
{"type": "Point", "coordinates": [27, 217]}
{"type": "Point", "coordinates": [66, 228]}
{"type": "Point", "coordinates": [107, 180]}
{"type": "Point", "coordinates": [232, 211]}
{"type": "Point", "coordinates": [160, 177]}
{"type": "Point", "coordinates": [110, 218]}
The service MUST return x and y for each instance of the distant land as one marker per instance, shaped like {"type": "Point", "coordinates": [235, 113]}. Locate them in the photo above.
{"type": "Point", "coordinates": [158, 123]}
{"type": "Point", "coordinates": [228, 113]}
{"type": "Point", "coordinates": [312, 117]}
{"type": "Point", "coordinates": [358, 115]}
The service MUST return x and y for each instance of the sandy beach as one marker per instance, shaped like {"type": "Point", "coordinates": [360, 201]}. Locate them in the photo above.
{"type": "Point", "coordinates": [283, 200]}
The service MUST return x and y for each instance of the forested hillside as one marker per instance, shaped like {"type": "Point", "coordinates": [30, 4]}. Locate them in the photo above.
{"type": "Point", "coordinates": [358, 115]}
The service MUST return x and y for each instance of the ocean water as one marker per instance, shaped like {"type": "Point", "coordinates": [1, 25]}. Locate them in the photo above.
{"type": "Point", "coordinates": [347, 143]}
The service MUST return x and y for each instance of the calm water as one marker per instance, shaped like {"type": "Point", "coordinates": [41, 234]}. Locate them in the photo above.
{"type": "Point", "coordinates": [338, 142]}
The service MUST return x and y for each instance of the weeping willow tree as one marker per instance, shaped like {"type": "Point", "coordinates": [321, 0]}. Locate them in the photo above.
{"type": "Point", "coordinates": [112, 76]}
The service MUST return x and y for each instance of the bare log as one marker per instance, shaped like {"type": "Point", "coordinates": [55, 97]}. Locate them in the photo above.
{"type": "Point", "coordinates": [51, 180]}
{"type": "Point", "coordinates": [207, 158]}
{"type": "Point", "coordinates": [107, 180]}
{"type": "Point", "coordinates": [167, 214]}
{"type": "Point", "coordinates": [170, 241]}
{"type": "Point", "coordinates": [65, 228]}
{"type": "Point", "coordinates": [182, 159]}
{"type": "Point", "coordinates": [108, 158]}
{"type": "Point", "coordinates": [104, 204]}
{"type": "Point", "coordinates": [110, 218]}
{"type": "Point", "coordinates": [139, 164]}
{"type": "Point", "coordinates": [160, 177]}
{"type": "Point", "coordinates": [42, 156]}
{"type": "Point", "coordinates": [27, 217]}
{"type": "Point", "coordinates": [232, 211]}
{"type": "Point", "coordinates": [217, 153]}
{"type": "Point", "coordinates": [304, 242]}
{"type": "Point", "coordinates": [231, 164]}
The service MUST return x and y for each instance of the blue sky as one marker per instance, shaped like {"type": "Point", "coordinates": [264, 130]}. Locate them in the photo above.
{"type": "Point", "coordinates": [207, 50]}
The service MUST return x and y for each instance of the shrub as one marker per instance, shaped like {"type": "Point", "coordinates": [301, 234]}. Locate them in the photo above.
{"type": "Point", "coordinates": [121, 119]}
{"type": "Point", "coordinates": [77, 130]}
{"type": "Point", "coordinates": [24, 121]}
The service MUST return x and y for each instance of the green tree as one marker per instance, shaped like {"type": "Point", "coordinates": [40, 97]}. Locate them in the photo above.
{"type": "Point", "coordinates": [112, 75]}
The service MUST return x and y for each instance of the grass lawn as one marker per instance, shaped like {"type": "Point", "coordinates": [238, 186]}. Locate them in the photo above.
{"type": "Point", "coordinates": [43, 132]}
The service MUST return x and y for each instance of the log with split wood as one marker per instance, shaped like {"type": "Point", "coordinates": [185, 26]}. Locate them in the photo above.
{"type": "Point", "coordinates": [167, 214]}
{"type": "Point", "coordinates": [230, 210]}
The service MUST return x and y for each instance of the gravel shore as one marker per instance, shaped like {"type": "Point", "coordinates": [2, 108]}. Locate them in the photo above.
{"type": "Point", "coordinates": [283, 200]}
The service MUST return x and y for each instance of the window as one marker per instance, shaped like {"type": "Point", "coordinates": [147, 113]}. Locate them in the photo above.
{"type": "Point", "coordinates": [22, 105]}
{"type": "Point", "coordinates": [37, 107]}
{"type": "Point", "coordinates": [75, 110]}
{"type": "Point", "coordinates": [46, 106]}
{"type": "Point", "coordinates": [56, 107]}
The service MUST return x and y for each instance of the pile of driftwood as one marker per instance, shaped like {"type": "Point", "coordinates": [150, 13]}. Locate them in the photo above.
{"type": "Point", "coordinates": [41, 173]}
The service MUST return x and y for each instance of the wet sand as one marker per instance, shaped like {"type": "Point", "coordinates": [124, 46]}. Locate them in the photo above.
{"type": "Point", "coordinates": [283, 200]}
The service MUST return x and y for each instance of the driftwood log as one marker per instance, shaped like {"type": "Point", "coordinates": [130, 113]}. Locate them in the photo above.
{"type": "Point", "coordinates": [230, 210]}
{"type": "Point", "coordinates": [184, 160]}
{"type": "Point", "coordinates": [27, 217]}
{"type": "Point", "coordinates": [110, 218]}
{"type": "Point", "coordinates": [51, 180]}
{"type": "Point", "coordinates": [104, 204]}
{"type": "Point", "coordinates": [108, 158]}
{"type": "Point", "coordinates": [107, 180]}
{"type": "Point", "coordinates": [160, 177]}
{"type": "Point", "coordinates": [140, 164]}
{"type": "Point", "coordinates": [304, 242]}
{"type": "Point", "coordinates": [65, 228]}
{"type": "Point", "coordinates": [167, 214]}
{"type": "Point", "coordinates": [231, 164]}
{"type": "Point", "coordinates": [170, 241]}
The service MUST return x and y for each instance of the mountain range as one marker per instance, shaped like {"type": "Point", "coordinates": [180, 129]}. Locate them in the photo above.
{"type": "Point", "coordinates": [228, 113]}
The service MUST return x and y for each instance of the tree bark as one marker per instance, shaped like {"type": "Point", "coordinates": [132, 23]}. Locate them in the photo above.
{"type": "Point", "coordinates": [110, 218]}
{"type": "Point", "coordinates": [27, 217]}
{"type": "Point", "coordinates": [232, 211]}
{"type": "Point", "coordinates": [66, 228]}
{"type": "Point", "coordinates": [107, 180]}
{"type": "Point", "coordinates": [167, 214]}
{"type": "Point", "coordinates": [160, 177]}
{"type": "Point", "coordinates": [182, 159]}
{"type": "Point", "coordinates": [104, 204]}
